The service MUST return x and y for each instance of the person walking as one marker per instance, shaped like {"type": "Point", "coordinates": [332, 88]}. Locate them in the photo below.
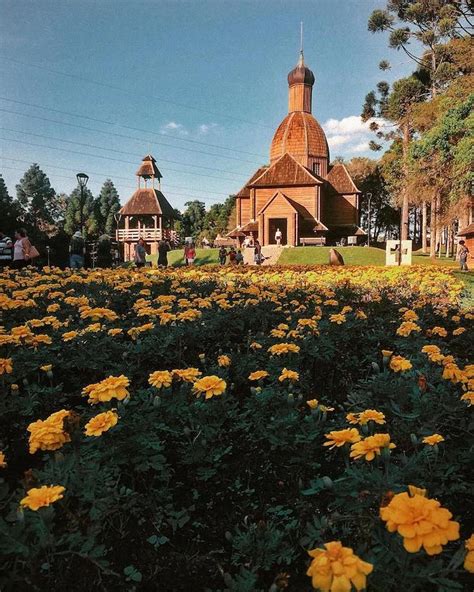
{"type": "Point", "coordinates": [257, 253]}
{"type": "Point", "coordinates": [6, 250]}
{"type": "Point", "coordinates": [77, 251]}
{"type": "Point", "coordinates": [190, 254]}
{"type": "Point", "coordinates": [278, 236]}
{"type": "Point", "coordinates": [222, 255]}
{"type": "Point", "coordinates": [463, 253]}
{"type": "Point", "coordinates": [232, 256]}
{"type": "Point", "coordinates": [21, 249]}
{"type": "Point", "coordinates": [163, 250]}
{"type": "Point", "coordinates": [140, 253]}
{"type": "Point", "coordinates": [239, 258]}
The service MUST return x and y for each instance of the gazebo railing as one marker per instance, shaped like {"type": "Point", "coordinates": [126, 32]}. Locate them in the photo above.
{"type": "Point", "coordinates": [147, 234]}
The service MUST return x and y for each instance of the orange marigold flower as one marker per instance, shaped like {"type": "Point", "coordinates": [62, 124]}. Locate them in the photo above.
{"type": "Point", "coordinates": [258, 375]}
{"type": "Point", "coordinates": [101, 423]}
{"type": "Point", "coordinates": [371, 415]}
{"type": "Point", "coordinates": [6, 366]}
{"type": "Point", "coordinates": [433, 439]}
{"type": "Point", "coordinates": [3, 462]}
{"type": "Point", "coordinates": [336, 569]}
{"type": "Point", "coordinates": [469, 559]}
{"type": "Point", "coordinates": [48, 434]}
{"type": "Point", "coordinates": [113, 387]}
{"type": "Point", "coordinates": [160, 379]}
{"type": "Point", "coordinates": [459, 331]}
{"type": "Point", "coordinates": [453, 373]}
{"type": "Point", "coordinates": [353, 418]}
{"type": "Point", "coordinates": [255, 345]}
{"type": "Point", "coordinates": [469, 398]}
{"type": "Point", "coordinates": [371, 446]}
{"type": "Point", "coordinates": [312, 403]}
{"type": "Point", "coordinates": [337, 318]}
{"type": "Point", "coordinates": [341, 437]}
{"type": "Point", "coordinates": [210, 386]}
{"type": "Point", "coordinates": [40, 497]}
{"type": "Point", "coordinates": [187, 374]}
{"type": "Point", "coordinates": [69, 335]}
{"type": "Point", "coordinates": [421, 521]}
{"type": "Point", "coordinates": [283, 348]}
{"type": "Point", "coordinates": [223, 361]}
{"type": "Point", "coordinates": [400, 364]}
{"type": "Point", "coordinates": [288, 375]}
{"type": "Point", "coordinates": [408, 327]}
{"type": "Point", "coordinates": [441, 331]}
{"type": "Point", "coordinates": [46, 367]}
{"type": "Point", "coordinates": [387, 353]}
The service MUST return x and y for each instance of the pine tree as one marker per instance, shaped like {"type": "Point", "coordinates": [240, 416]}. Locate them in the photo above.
{"type": "Point", "coordinates": [108, 204]}
{"type": "Point", "coordinates": [73, 213]}
{"type": "Point", "coordinates": [37, 198]}
{"type": "Point", "coordinates": [10, 210]}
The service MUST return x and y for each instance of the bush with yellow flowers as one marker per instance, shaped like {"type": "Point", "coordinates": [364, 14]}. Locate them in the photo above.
{"type": "Point", "coordinates": [238, 429]}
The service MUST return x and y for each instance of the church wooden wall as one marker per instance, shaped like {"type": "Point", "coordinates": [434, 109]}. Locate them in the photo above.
{"type": "Point", "coordinates": [243, 211]}
{"type": "Point", "coordinates": [306, 196]}
{"type": "Point", "coordinates": [339, 209]}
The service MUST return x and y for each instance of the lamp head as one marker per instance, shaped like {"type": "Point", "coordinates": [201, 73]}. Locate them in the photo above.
{"type": "Point", "coordinates": [82, 179]}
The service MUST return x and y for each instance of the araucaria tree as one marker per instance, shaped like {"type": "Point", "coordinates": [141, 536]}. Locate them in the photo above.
{"type": "Point", "coordinates": [107, 205]}
{"type": "Point", "coordinates": [74, 215]}
{"type": "Point", "coordinates": [38, 200]}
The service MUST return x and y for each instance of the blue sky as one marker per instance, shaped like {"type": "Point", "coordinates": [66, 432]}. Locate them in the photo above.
{"type": "Point", "coordinates": [201, 84]}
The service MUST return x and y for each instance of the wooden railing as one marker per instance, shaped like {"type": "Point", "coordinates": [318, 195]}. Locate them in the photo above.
{"type": "Point", "coordinates": [147, 234]}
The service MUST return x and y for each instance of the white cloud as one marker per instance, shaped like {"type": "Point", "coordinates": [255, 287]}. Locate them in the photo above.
{"type": "Point", "coordinates": [205, 128]}
{"type": "Point", "coordinates": [349, 135]}
{"type": "Point", "coordinates": [172, 126]}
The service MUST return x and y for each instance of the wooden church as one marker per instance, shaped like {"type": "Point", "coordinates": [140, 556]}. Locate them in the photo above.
{"type": "Point", "coordinates": [299, 193]}
{"type": "Point", "coordinates": [147, 214]}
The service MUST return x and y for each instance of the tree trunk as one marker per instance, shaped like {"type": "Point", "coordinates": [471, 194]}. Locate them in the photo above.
{"type": "Point", "coordinates": [448, 241]}
{"type": "Point", "coordinates": [424, 228]}
{"type": "Point", "coordinates": [433, 232]}
{"type": "Point", "coordinates": [405, 205]}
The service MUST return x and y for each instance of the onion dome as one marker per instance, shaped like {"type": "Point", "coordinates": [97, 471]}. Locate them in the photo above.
{"type": "Point", "coordinates": [301, 74]}
{"type": "Point", "coordinates": [300, 135]}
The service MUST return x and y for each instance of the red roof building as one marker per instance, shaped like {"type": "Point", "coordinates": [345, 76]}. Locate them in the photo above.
{"type": "Point", "coordinates": [147, 214]}
{"type": "Point", "coordinates": [299, 193]}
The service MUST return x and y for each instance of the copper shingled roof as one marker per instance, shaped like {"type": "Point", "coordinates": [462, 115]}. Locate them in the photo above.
{"type": "Point", "coordinates": [301, 135]}
{"type": "Point", "coordinates": [245, 191]}
{"type": "Point", "coordinates": [148, 168]}
{"type": "Point", "coordinates": [340, 180]}
{"type": "Point", "coordinates": [286, 171]}
{"type": "Point", "coordinates": [148, 201]}
{"type": "Point", "coordinates": [301, 74]}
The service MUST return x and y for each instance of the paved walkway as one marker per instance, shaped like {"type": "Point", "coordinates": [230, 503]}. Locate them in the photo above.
{"type": "Point", "coordinates": [270, 253]}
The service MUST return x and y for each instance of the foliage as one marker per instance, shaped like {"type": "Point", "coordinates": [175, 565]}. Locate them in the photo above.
{"type": "Point", "coordinates": [10, 209]}
{"type": "Point", "coordinates": [107, 204]}
{"type": "Point", "coordinates": [78, 209]}
{"type": "Point", "coordinates": [230, 492]}
{"type": "Point", "coordinates": [192, 220]}
{"type": "Point", "coordinates": [38, 200]}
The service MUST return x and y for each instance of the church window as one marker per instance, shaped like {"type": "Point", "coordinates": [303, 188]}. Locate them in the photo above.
{"type": "Point", "coordinates": [317, 168]}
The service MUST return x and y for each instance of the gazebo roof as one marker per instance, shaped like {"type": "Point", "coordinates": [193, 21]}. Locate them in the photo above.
{"type": "Point", "coordinates": [148, 201]}
{"type": "Point", "coordinates": [148, 168]}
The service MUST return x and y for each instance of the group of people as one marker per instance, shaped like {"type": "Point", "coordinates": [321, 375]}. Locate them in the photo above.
{"type": "Point", "coordinates": [18, 253]}
{"type": "Point", "coordinates": [140, 253]}
{"type": "Point", "coordinates": [235, 257]}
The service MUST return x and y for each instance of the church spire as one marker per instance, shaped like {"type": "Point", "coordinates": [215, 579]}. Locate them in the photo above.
{"type": "Point", "coordinates": [300, 81]}
{"type": "Point", "coordinates": [301, 59]}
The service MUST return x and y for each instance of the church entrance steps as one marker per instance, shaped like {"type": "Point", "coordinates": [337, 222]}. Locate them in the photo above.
{"type": "Point", "coordinates": [270, 254]}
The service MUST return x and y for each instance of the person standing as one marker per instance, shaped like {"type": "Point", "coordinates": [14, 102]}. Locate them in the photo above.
{"type": "Point", "coordinates": [21, 249]}
{"type": "Point", "coordinates": [463, 253]}
{"type": "Point", "coordinates": [239, 258]}
{"type": "Point", "coordinates": [77, 250]}
{"type": "Point", "coordinates": [190, 254]}
{"type": "Point", "coordinates": [278, 237]}
{"type": "Point", "coordinates": [222, 255]}
{"type": "Point", "coordinates": [163, 250]}
{"type": "Point", "coordinates": [232, 256]}
{"type": "Point", "coordinates": [6, 250]}
{"type": "Point", "coordinates": [257, 252]}
{"type": "Point", "coordinates": [140, 253]}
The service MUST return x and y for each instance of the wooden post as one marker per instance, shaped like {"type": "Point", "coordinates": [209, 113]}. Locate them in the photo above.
{"type": "Point", "coordinates": [424, 228]}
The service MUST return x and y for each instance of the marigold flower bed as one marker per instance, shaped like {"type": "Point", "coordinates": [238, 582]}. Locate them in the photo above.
{"type": "Point", "coordinates": [236, 429]}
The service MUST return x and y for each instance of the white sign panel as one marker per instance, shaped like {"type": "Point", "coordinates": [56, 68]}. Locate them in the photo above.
{"type": "Point", "coordinates": [392, 252]}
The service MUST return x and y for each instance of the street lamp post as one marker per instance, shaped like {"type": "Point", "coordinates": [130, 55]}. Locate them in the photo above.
{"type": "Point", "coordinates": [82, 179]}
{"type": "Point", "coordinates": [369, 213]}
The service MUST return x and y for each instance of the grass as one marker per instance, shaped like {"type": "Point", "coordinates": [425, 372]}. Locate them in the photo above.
{"type": "Point", "coordinates": [320, 256]}
{"type": "Point", "coordinates": [176, 257]}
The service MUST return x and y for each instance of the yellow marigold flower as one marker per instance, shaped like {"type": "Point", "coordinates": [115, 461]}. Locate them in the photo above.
{"type": "Point", "coordinates": [96, 314]}
{"type": "Point", "coordinates": [469, 559]}
{"type": "Point", "coordinates": [101, 423]}
{"type": "Point", "coordinates": [40, 497]}
{"type": "Point", "coordinates": [360, 314]}
{"type": "Point", "coordinates": [160, 379]}
{"type": "Point", "coordinates": [255, 345]}
{"type": "Point", "coordinates": [258, 375]}
{"type": "Point", "coordinates": [421, 521]}
{"type": "Point", "coordinates": [69, 335]}
{"type": "Point", "coordinates": [211, 386]}
{"type": "Point", "coordinates": [337, 318]}
{"type": "Point", "coordinates": [468, 397]}
{"type": "Point", "coordinates": [330, 302]}
{"type": "Point", "coordinates": [341, 437]}
{"type": "Point", "coordinates": [288, 375]}
{"type": "Point", "coordinates": [113, 332]}
{"type": "Point", "coordinates": [187, 374]}
{"type": "Point", "coordinates": [459, 331]}
{"type": "Point", "coordinates": [371, 415]}
{"type": "Point", "coordinates": [433, 439]}
{"type": "Point", "coordinates": [307, 323]}
{"type": "Point", "coordinates": [410, 315]}
{"type": "Point", "coordinates": [336, 569]}
{"type": "Point", "coordinates": [3, 462]}
{"type": "Point", "coordinates": [283, 348]}
{"type": "Point", "coordinates": [223, 361]}
{"type": "Point", "coordinates": [277, 333]}
{"type": "Point", "coordinates": [414, 490]}
{"type": "Point", "coordinates": [441, 331]}
{"type": "Point", "coordinates": [6, 366]}
{"type": "Point", "coordinates": [283, 327]}
{"type": "Point", "coordinates": [46, 368]}
{"type": "Point", "coordinates": [371, 446]}
{"type": "Point", "coordinates": [400, 364]}
{"type": "Point", "coordinates": [312, 403]}
{"type": "Point", "coordinates": [113, 387]}
{"type": "Point", "coordinates": [352, 418]}
{"type": "Point", "coordinates": [48, 434]}
{"type": "Point", "coordinates": [408, 327]}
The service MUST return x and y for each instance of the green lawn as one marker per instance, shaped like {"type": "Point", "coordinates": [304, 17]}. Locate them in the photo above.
{"type": "Point", "coordinates": [176, 257]}
{"type": "Point", "coordinates": [320, 256]}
